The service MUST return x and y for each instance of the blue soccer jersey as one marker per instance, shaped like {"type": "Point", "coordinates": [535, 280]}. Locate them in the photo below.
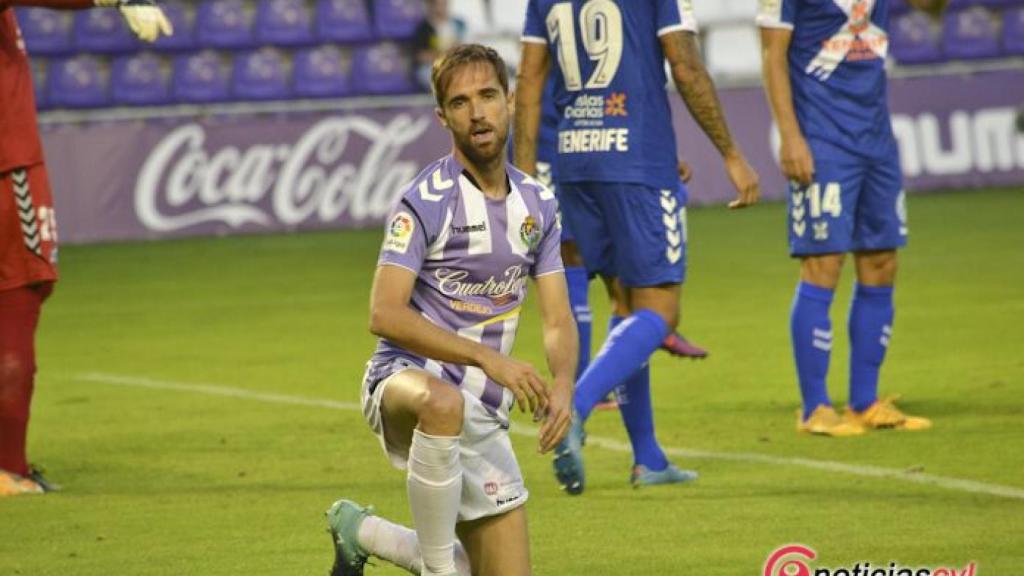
{"type": "Point", "coordinates": [614, 119]}
{"type": "Point", "coordinates": [837, 70]}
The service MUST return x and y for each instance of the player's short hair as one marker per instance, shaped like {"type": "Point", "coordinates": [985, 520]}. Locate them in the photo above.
{"type": "Point", "coordinates": [460, 56]}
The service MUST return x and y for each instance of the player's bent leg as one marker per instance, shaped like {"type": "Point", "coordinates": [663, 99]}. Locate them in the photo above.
{"type": "Point", "coordinates": [358, 533]}
{"type": "Point", "coordinates": [498, 545]}
{"type": "Point", "coordinates": [663, 300]}
{"type": "Point", "coordinates": [434, 480]}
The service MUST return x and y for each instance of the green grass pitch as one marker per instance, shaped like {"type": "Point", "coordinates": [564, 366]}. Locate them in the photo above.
{"type": "Point", "coordinates": [166, 406]}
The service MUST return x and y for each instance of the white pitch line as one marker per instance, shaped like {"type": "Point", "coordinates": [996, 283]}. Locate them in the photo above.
{"type": "Point", "coordinates": [950, 483]}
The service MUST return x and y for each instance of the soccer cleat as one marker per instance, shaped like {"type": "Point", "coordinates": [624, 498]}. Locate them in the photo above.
{"type": "Point", "coordinates": [678, 346]}
{"type": "Point", "coordinates": [644, 476]}
{"type": "Point", "coordinates": [36, 475]}
{"type": "Point", "coordinates": [884, 415]}
{"type": "Point", "coordinates": [14, 485]}
{"type": "Point", "coordinates": [568, 461]}
{"type": "Point", "coordinates": [825, 421]}
{"type": "Point", "coordinates": [344, 518]}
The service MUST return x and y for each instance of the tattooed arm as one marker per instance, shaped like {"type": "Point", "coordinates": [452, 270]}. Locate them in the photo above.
{"type": "Point", "coordinates": [698, 92]}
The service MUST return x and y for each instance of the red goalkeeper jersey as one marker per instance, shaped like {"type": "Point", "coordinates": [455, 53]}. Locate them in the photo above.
{"type": "Point", "coordinates": [19, 135]}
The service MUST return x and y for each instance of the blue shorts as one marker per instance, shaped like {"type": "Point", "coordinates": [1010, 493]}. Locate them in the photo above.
{"type": "Point", "coordinates": [855, 204]}
{"type": "Point", "coordinates": [630, 231]}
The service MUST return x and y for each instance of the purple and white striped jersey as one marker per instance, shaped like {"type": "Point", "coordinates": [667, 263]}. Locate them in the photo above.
{"type": "Point", "coordinates": [472, 256]}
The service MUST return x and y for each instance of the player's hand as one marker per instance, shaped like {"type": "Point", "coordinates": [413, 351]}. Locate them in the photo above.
{"type": "Point", "coordinates": [557, 418]}
{"type": "Point", "coordinates": [743, 177]}
{"type": "Point", "coordinates": [145, 19]}
{"type": "Point", "coordinates": [521, 378]}
{"type": "Point", "coordinates": [796, 159]}
{"type": "Point", "coordinates": [685, 173]}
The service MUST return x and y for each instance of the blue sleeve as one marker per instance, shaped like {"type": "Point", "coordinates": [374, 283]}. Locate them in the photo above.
{"type": "Point", "coordinates": [776, 13]}
{"type": "Point", "coordinates": [674, 15]}
{"type": "Point", "coordinates": [534, 29]}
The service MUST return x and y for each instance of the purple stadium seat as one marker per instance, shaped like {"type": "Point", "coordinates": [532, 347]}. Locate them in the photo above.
{"type": "Point", "coordinates": [103, 31]}
{"type": "Point", "coordinates": [322, 72]}
{"type": "Point", "coordinates": [200, 77]}
{"type": "Point", "coordinates": [183, 18]}
{"type": "Point", "coordinates": [46, 32]}
{"type": "Point", "coordinates": [397, 18]}
{"type": "Point", "coordinates": [283, 23]}
{"type": "Point", "coordinates": [140, 80]}
{"type": "Point", "coordinates": [1013, 31]}
{"type": "Point", "coordinates": [39, 82]}
{"type": "Point", "coordinates": [381, 69]}
{"type": "Point", "coordinates": [343, 21]}
{"type": "Point", "coordinates": [971, 33]}
{"type": "Point", "coordinates": [223, 24]}
{"type": "Point", "coordinates": [78, 82]}
{"type": "Point", "coordinates": [914, 39]}
{"type": "Point", "coordinates": [898, 7]}
{"type": "Point", "coordinates": [261, 75]}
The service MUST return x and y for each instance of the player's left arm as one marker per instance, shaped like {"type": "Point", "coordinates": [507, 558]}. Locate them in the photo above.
{"type": "Point", "coordinates": [561, 344]}
{"type": "Point", "coordinates": [533, 73]}
{"type": "Point", "coordinates": [698, 92]}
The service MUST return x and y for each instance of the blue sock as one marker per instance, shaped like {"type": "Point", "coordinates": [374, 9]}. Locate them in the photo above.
{"type": "Point", "coordinates": [811, 330]}
{"type": "Point", "coordinates": [579, 285]}
{"type": "Point", "coordinates": [627, 349]}
{"type": "Point", "coordinates": [635, 407]}
{"type": "Point", "coordinates": [871, 315]}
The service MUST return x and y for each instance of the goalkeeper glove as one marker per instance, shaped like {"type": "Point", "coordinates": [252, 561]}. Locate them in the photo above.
{"type": "Point", "coordinates": [144, 17]}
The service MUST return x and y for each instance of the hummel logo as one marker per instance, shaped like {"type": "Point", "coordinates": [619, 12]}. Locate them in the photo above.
{"type": "Point", "coordinates": [481, 227]}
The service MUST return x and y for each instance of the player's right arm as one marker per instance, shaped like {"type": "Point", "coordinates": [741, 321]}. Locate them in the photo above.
{"type": "Point", "coordinates": [392, 318]}
{"type": "Point", "coordinates": [698, 92]}
{"type": "Point", "coordinates": [795, 156]}
{"type": "Point", "coordinates": [534, 66]}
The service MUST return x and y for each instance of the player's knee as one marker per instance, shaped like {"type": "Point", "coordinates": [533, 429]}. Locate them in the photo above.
{"type": "Point", "coordinates": [441, 410]}
{"type": "Point", "coordinates": [877, 268]}
{"type": "Point", "coordinates": [822, 270]}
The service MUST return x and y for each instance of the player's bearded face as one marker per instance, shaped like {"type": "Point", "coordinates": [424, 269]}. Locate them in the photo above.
{"type": "Point", "coordinates": [477, 111]}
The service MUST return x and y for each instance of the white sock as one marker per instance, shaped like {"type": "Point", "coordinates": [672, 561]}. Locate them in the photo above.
{"type": "Point", "coordinates": [398, 545]}
{"type": "Point", "coordinates": [435, 492]}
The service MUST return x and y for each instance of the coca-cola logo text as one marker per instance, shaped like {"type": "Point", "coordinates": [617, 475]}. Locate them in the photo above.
{"type": "Point", "coordinates": [183, 183]}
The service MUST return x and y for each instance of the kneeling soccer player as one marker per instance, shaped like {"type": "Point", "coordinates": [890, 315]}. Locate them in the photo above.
{"type": "Point", "coordinates": [445, 302]}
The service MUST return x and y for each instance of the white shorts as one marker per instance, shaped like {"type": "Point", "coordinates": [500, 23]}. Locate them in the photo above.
{"type": "Point", "coordinates": [492, 483]}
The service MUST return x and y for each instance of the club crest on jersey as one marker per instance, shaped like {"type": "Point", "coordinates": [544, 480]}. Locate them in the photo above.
{"type": "Point", "coordinates": [529, 232]}
{"type": "Point", "coordinates": [400, 233]}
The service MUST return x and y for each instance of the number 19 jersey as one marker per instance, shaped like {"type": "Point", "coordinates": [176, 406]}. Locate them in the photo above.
{"type": "Point", "coordinates": [614, 119]}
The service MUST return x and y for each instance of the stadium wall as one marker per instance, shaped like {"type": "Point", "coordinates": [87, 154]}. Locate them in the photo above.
{"type": "Point", "coordinates": [175, 175]}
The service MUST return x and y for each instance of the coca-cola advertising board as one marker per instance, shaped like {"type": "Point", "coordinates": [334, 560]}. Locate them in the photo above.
{"type": "Point", "coordinates": [249, 173]}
